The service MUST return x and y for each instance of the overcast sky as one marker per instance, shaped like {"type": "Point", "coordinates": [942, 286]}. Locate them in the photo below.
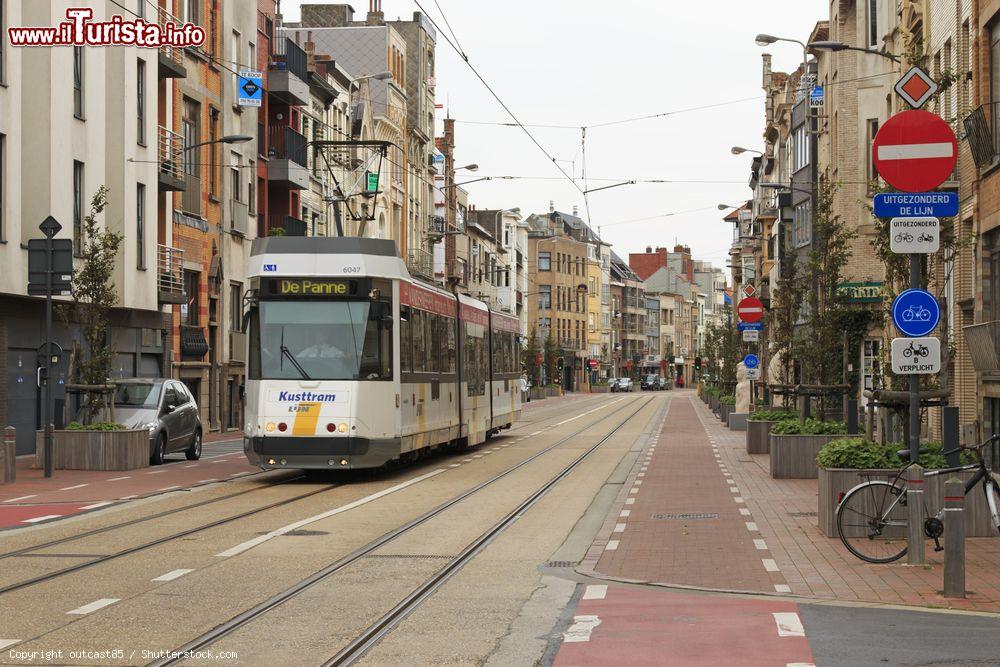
{"type": "Point", "coordinates": [567, 62]}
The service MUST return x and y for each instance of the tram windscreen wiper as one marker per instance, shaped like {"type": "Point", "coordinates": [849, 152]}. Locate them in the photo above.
{"type": "Point", "coordinates": [285, 352]}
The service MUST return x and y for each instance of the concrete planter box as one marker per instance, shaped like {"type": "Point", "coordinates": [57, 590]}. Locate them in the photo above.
{"type": "Point", "coordinates": [835, 481]}
{"type": "Point", "coordinates": [738, 421]}
{"type": "Point", "coordinates": [551, 392]}
{"type": "Point", "coordinates": [8, 464]}
{"type": "Point", "coordinates": [724, 412]}
{"type": "Point", "coordinates": [536, 393]}
{"type": "Point", "coordinates": [713, 403]}
{"type": "Point", "coordinates": [794, 456]}
{"type": "Point", "coordinates": [757, 436]}
{"type": "Point", "coordinates": [95, 450]}
{"type": "Point", "coordinates": [600, 389]}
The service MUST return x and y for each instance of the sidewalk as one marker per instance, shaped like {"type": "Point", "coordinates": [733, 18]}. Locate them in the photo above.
{"type": "Point", "coordinates": [33, 499]}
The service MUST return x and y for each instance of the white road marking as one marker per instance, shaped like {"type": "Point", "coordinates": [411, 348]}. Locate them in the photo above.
{"type": "Point", "coordinates": [129, 497]}
{"type": "Point", "coordinates": [760, 544]}
{"type": "Point", "coordinates": [249, 544]}
{"type": "Point", "coordinates": [156, 472]}
{"type": "Point", "coordinates": [637, 482]}
{"type": "Point", "coordinates": [167, 488]}
{"type": "Point", "coordinates": [630, 501]}
{"type": "Point", "coordinates": [205, 481]}
{"type": "Point", "coordinates": [611, 545]}
{"type": "Point", "coordinates": [752, 526]}
{"type": "Point", "coordinates": [118, 479]}
{"type": "Point", "coordinates": [769, 564]}
{"type": "Point", "coordinates": [455, 465]}
{"type": "Point", "coordinates": [916, 151]}
{"type": "Point", "coordinates": [744, 511]}
{"type": "Point", "coordinates": [173, 574]}
{"type": "Point", "coordinates": [625, 514]}
{"type": "Point", "coordinates": [641, 475]}
{"type": "Point", "coordinates": [633, 490]}
{"type": "Point", "coordinates": [619, 528]}
{"type": "Point", "coordinates": [789, 624]}
{"type": "Point", "coordinates": [466, 460]}
{"type": "Point", "coordinates": [738, 499]}
{"type": "Point", "coordinates": [93, 606]}
{"type": "Point", "coordinates": [103, 503]}
{"type": "Point", "coordinates": [4, 643]}
{"type": "Point", "coordinates": [782, 588]}
{"type": "Point", "coordinates": [734, 489]}
{"type": "Point", "coordinates": [729, 481]}
{"type": "Point", "coordinates": [595, 592]}
{"type": "Point", "coordinates": [14, 500]}
{"type": "Point", "coordinates": [536, 433]}
{"type": "Point", "coordinates": [70, 488]}
{"type": "Point", "coordinates": [193, 465]}
{"type": "Point", "coordinates": [42, 518]}
{"type": "Point", "coordinates": [581, 628]}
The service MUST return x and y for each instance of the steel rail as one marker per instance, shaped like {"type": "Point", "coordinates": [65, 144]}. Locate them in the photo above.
{"type": "Point", "coordinates": [280, 598]}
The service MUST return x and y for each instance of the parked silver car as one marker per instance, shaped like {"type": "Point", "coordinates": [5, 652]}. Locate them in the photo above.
{"type": "Point", "coordinates": [164, 407]}
{"type": "Point", "coordinates": [625, 384]}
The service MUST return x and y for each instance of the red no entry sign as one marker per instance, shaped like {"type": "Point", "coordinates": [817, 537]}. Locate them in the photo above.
{"type": "Point", "coordinates": [750, 310]}
{"type": "Point", "coordinates": [915, 151]}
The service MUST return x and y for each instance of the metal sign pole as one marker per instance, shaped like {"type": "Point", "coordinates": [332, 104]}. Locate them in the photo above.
{"type": "Point", "coordinates": [914, 379]}
{"type": "Point", "coordinates": [47, 408]}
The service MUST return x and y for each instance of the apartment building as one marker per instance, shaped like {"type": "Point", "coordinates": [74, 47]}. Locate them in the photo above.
{"type": "Point", "coordinates": [71, 121]}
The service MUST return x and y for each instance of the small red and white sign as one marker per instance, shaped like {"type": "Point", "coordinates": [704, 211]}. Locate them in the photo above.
{"type": "Point", "coordinates": [750, 310]}
{"type": "Point", "coordinates": [915, 151]}
{"type": "Point", "coordinates": [749, 290]}
{"type": "Point", "coordinates": [916, 87]}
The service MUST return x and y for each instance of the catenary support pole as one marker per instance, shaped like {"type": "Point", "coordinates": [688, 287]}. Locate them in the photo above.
{"type": "Point", "coordinates": [914, 379]}
{"type": "Point", "coordinates": [47, 407]}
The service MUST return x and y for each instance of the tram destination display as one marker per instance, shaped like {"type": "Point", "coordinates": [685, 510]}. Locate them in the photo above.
{"type": "Point", "coordinates": [310, 287]}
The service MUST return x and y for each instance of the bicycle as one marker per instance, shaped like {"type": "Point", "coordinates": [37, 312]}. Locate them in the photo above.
{"type": "Point", "coordinates": [872, 518]}
{"type": "Point", "coordinates": [903, 237]}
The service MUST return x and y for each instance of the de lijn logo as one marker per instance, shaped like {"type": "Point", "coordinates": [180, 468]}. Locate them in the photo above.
{"type": "Point", "coordinates": [915, 312]}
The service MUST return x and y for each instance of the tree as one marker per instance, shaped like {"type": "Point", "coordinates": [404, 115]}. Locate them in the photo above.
{"type": "Point", "coordinates": [781, 317]}
{"type": "Point", "coordinates": [94, 295]}
{"type": "Point", "coordinates": [550, 353]}
{"type": "Point", "coordinates": [531, 354]}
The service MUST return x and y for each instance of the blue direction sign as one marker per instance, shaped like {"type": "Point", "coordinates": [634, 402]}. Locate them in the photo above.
{"type": "Point", "coordinates": [750, 326]}
{"type": "Point", "coordinates": [751, 361]}
{"type": "Point", "coordinates": [250, 89]}
{"type": "Point", "coordinates": [916, 205]}
{"type": "Point", "coordinates": [915, 312]}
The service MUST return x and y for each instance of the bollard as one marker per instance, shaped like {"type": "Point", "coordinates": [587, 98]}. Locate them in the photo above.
{"type": "Point", "coordinates": [9, 455]}
{"type": "Point", "coordinates": [954, 538]}
{"type": "Point", "coordinates": [852, 416]}
{"type": "Point", "coordinates": [950, 434]}
{"type": "Point", "coordinates": [915, 511]}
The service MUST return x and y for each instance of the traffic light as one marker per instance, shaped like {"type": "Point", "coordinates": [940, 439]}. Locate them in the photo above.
{"type": "Point", "coordinates": [697, 363]}
{"type": "Point", "coordinates": [560, 363]}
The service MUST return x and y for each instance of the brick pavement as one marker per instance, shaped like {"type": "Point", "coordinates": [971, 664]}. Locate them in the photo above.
{"type": "Point", "coordinates": [783, 514]}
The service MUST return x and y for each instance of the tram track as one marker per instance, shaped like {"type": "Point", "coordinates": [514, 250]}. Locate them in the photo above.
{"type": "Point", "coordinates": [356, 648]}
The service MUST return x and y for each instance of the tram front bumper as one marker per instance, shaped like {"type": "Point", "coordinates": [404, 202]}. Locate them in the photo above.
{"type": "Point", "coordinates": [319, 453]}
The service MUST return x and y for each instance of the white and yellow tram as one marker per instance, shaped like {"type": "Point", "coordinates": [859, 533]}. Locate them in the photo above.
{"type": "Point", "coordinates": [353, 363]}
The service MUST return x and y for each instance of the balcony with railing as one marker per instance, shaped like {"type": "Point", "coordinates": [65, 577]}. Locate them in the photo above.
{"type": "Point", "coordinates": [982, 135]}
{"type": "Point", "coordinates": [169, 274]}
{"type": "Point", "coordinates": [288, 73]}
{"type": "Point", "coordinates": [171, 58]}
{"type": "Point", "coordinates": [286, 153]}
{"type": "Point", "coordinates": [169, 148]}
{"type": "Point", "coordinates": [286, 225]}
{"type": "Point", "coordinates": [420, 263]}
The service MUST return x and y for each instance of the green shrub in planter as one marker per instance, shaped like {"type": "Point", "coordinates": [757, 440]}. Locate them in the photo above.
{"type": "Point", "coordinates": [772, 415]}
{"type": "Point", "coordinates": [99, 426]}
{"type": "Point", "coordinates": [857, 453]}
{"type": "Point", "coordinates": [728, 400]}
{"type": "Point", "coordinates": [808, 427]}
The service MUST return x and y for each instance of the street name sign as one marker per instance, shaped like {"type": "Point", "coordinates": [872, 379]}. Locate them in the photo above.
{"type": "Point", "coordinates": [752, 373]}
{"type": "Point", "coordinates": [916, 356]}
{"type": "Point", "coordinates": [750, 326]}
{"type": "Point", "coordinates": [914, 235]}
{"type": "Point", "coordinates": [751, 361]}
{"type": "Point", "coordinates": [915, 151]}
{"type": "Point", "coordinates": [915, 312]}
{"type": "Point", "coordinates": [751, 335]}
{"type": "Point", "coordinates": [750, 309]}
{"type": "Point", "coordinates": [916, 204]}
{"type": "Point", "coordinates": [916, 87]}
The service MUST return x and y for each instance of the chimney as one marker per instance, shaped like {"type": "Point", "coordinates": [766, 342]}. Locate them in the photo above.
{"type": "Point", "coordinates": [649, 250]}
{"type": "Point", "coordinates": [552, 206]}
{"type": "Point", "coordinates": [375, 15]}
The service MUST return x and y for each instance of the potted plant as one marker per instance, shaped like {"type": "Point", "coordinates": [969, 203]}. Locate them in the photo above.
{"type": "Point", "coordinates": [726, 405]}
{"type": "Point", "coordinates": [95, 441]}
{"type": "Point", "coordinates": [793, 446]}
{"type": "Point", "coordinates": [846, 462]}
{"type": "Point", "coordinates": [759, 427]}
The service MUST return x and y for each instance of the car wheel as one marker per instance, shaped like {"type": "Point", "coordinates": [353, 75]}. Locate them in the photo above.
{"type": "Point", "coordinates": [159, 451]}
{"type": "Point", "coordinates": [193, 453]}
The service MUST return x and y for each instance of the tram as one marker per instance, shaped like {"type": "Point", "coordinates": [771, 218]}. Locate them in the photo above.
{"type": "Point", "coordinates": [353, 363]}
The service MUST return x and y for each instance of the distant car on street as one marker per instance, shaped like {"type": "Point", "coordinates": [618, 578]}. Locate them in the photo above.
{"type": "Point", "coordinates": [625, 384]}
{"type": "Point", "coordinates": [613, 383]}
{"type": "Point", "coordinates": [650, 382]}
{"type": "Point", "coordinates": [164, 407]}
{"type": "Point", "coordinates": [663, 383]}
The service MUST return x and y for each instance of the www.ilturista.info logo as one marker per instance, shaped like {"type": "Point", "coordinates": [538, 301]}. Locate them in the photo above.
{"type": "Point", "coordinates": [80, 30]}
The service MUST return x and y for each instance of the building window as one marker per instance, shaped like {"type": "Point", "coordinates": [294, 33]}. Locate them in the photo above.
{"type": "Point", "coordinates": [544, 297]}
{"type": "Point", "coordinates": [236, 306]}
{"type": "Point", "coordinates": [871, 129]}
{"type": "Point", "coordinates": [545, 261]}
{"type": "Point", "coordinates": [140, 226]}
{"type": "Point", "coordinates": [235, 178]}
{"type": "Point", "coordinates": [78, 82]}
{"type": "Point", "coordinates": [214, 150]}
{"type": "Point", "coordinates": [140, 101]}
{"type": "Point", "coordinates": [873, 36]}
{"type": "Point", "coordinates": [140, 8]}
{"type": "Point", "coordinates": [802, 224]}
{"type": "Point", "coordinates": [78, 183]}
{"type": "Point", "coordinates": [192, 289]}
{"type": "Point", "coordinates": [801, 140]}
{"type": "Point", "coordinates": [191, 11]}
{"type": "Point", "coordinates": [252, 189]}
{"type": "Point", "coordinates": [192, 135]}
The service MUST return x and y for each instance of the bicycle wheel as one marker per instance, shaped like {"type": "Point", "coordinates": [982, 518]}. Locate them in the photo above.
{"type": "Point", "coordinates": [993, 501]}
{"type": "Point", "coordinates": [872, 521]}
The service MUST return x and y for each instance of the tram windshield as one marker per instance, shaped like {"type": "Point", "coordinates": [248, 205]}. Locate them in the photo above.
{"type": "Point", "coordinates": [320, 340]}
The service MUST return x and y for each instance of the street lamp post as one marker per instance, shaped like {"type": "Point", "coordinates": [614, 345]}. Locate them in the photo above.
{"type": "Point", "coordinates": [840, 46]}
{"type": "Point", "coordinates": [765, 40]}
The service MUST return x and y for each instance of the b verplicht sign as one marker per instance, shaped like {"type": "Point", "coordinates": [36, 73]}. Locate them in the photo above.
{"type": "Point", "coordinates": [750, 309]}
{"type": "Point", "coordinates": [916, 356]}
{"type": "Point", "coordinates": [915, 151]}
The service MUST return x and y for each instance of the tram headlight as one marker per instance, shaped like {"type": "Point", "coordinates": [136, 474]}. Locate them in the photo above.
{"type": "Point", "coordinates": [270, 427]}
{"type": "Point", "coordinates": [342, 428]}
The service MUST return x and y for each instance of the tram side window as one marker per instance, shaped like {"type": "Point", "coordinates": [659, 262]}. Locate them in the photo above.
{"type": "Point", "coordinates": [376, 354]}
{"type": "Point", "coordinates": [419, 341]}
{"type": "Point", "coordinates": [448, 337]}
{"type": "Point", "coordinates": [405, 340]}
{"type": "Point", "coordinates": [431, 326]}
{"type": "Point", "coordinates": [475, 347]}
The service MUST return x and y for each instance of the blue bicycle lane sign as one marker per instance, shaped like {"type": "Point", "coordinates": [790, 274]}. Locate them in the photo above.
{"type": "Point", "coordinates": [916, 312]}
